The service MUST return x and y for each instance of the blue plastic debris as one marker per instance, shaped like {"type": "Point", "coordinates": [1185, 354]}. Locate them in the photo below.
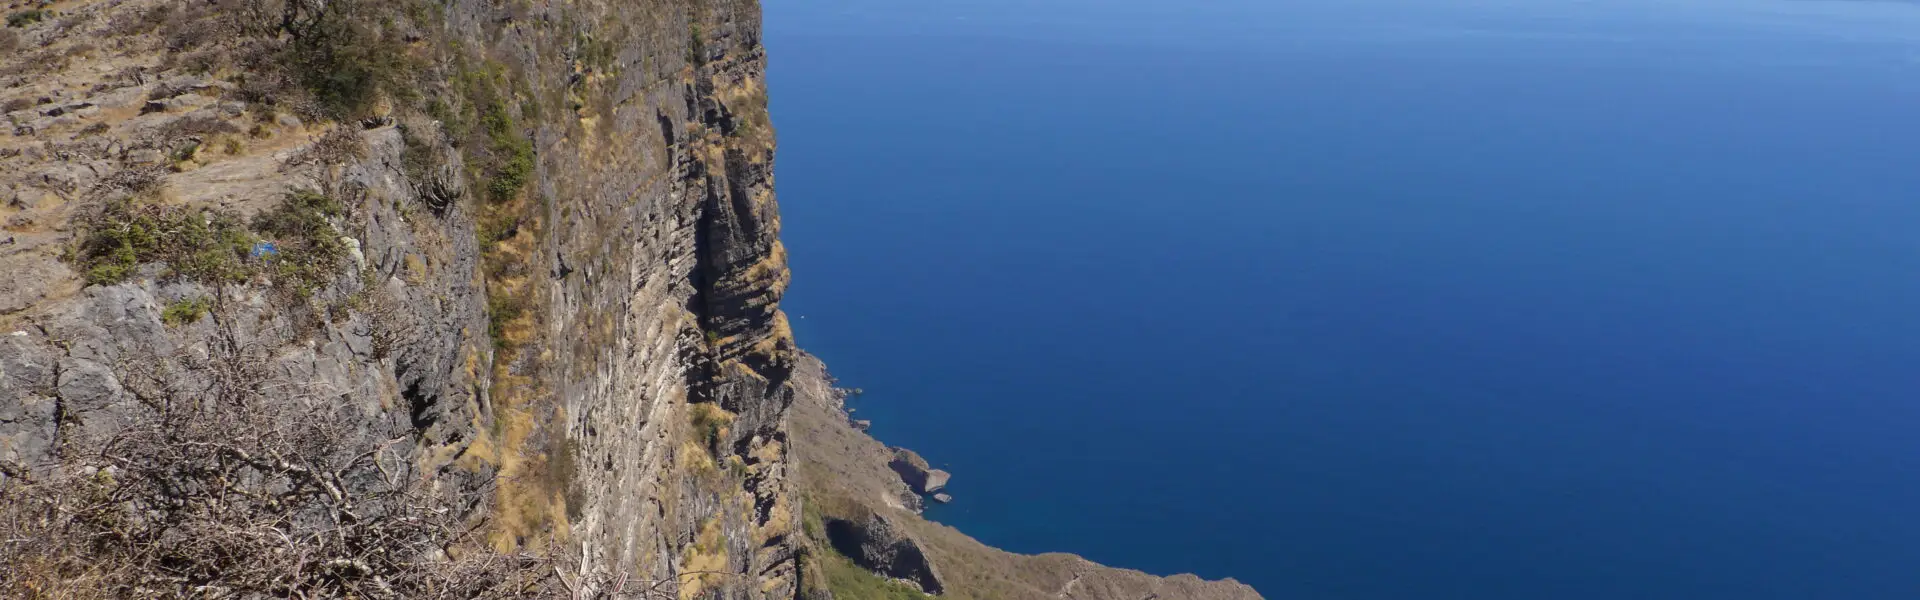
{"type": "Point", "coordinates": [262, 249]}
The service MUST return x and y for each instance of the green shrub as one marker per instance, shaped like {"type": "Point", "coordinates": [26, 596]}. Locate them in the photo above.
{"type": "Point", "coordinates": [308, 249]}
{"type": "Point", "coordinates": [185, 153]}
{"type": "Point", "coordinates": [750, 115]}
{"type": "Point", "coordinates": [708, 424]}
{"type": "Point", "coordinates": [596, 54]}
{"type": "Point", "coordinates": [209, 246]}
{"type": "Point", "coordinates": [213, 246]}
{"type": "Point", "coordinates": [477, 116]}
{"type": "Point", "coordinates": [347, 53]}
{"type": "Point", "coordinates": [495, 226]}
{"type": "Point", "coordinates": [501, 310]}
{"type": "Point", "coordinates": [419, 152]}
{"type": "Point", "coordinates": [186, 311]}
{"type": "Point", "coordinates": [696, 44]}
{"type": "Point", "coordinates": [850, 582]}
{"type": "Point", "coordinates": [214, 250]}
{"type": "Point", "coordinates": [511, 153]}
{"type": "Point", "coordinates": [27, 17]}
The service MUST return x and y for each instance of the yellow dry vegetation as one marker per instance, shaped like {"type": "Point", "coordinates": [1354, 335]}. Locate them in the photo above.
{"type": "Point", "coordinates": [771, 268]}
{"type": "Point", "coordinates": [414, 268]}
{"type": "Point", "coordinates": [779, 336]}
{"type": "Point", "coordinates": [708, 553]}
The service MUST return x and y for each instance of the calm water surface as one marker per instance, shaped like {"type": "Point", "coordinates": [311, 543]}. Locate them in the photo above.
{"type": "Point", "coordinates": [1381, 299]}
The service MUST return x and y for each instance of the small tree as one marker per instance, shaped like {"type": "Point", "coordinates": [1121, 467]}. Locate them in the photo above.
{"type": "Point", "coordinates": [231, 481]}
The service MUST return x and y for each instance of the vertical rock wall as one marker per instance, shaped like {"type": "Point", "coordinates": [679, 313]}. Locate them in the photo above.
{"type": "Point", "coordinates": [604, 376]}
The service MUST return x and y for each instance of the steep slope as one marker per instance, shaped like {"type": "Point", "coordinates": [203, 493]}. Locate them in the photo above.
{"type": "Point", "coordinates": [470, 298]}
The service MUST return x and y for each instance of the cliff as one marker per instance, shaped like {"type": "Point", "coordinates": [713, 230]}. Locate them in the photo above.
{"type": "Point", "coordinates": [427, 298]}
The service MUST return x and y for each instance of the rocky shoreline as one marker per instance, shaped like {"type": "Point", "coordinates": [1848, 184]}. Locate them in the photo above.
{"type": "Point", "coordinates": [918, 475]}
{"type": "Point", "coordinates": [868, 500]}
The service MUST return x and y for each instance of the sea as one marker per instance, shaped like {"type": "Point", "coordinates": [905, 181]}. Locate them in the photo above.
{"type": "Point", "coordinates": [1380, 299]}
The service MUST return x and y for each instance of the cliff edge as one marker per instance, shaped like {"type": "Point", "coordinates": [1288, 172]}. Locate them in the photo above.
{"type": "Point", "coordinates": [426, 299]}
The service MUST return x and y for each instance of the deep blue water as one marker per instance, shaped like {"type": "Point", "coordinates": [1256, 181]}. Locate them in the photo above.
{"type": "Point", "coordinates": [1380, 299]}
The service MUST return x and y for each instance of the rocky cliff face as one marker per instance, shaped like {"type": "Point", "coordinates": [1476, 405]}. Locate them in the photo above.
{"type": "Point", "coordinates": [511, 269]}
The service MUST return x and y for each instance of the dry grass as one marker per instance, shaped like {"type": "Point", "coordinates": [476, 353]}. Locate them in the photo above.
{"type": "Point", "coordinates": [706, 560]}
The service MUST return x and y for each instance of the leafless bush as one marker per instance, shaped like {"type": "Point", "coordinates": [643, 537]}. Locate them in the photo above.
{"type": "Point", "coordinates": [82, 49]}
{"type": "Point", "coordinates": [183, 136]}
{"type": "Point", "coordinates": [339, 145]}
{"type": "Point", "coordinates": [197, 126]}
{"type": "Point", "coordinates": [131, 181]}
{"type": "Point", "coordinates": [391, 326]}
{"type": "Point", "coordinates": [199, 62]}
{"type": "Point", "coordinates": [131, 75]}
{"type": "Point", "coordinates": [195, 24]}
{"type": "Point", "coordinates": [166, 90]}
{"type": "Point", "coordinates": [137, 22]}
{"type": "Point", "coordinates": [44, 60]}
{"type": "Point", "coordinates": [235, 482]}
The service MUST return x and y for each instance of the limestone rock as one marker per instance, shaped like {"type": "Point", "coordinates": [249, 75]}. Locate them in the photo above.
{"type": "Point", "coordinates": [28, 428]}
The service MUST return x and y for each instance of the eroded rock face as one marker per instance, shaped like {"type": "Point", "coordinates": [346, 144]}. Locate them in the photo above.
{"type": "Point", "coordinates": [642, 262]}
{"type": "Point", "coordinates": [879, 545]}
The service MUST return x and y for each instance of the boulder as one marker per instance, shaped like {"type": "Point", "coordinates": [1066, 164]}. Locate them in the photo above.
{"type": "Point", "coordinates": [936, 481]}
{"type": "Point", "coordinates": [943, 497]}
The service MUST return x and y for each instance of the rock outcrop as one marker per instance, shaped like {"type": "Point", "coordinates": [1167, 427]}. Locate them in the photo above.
{"type": "Point", "coordinates": [874, 542]}
{"type": "Point", "coordinates": [556, 283]}
{"type": "Point", "coordinates": [919, 476]}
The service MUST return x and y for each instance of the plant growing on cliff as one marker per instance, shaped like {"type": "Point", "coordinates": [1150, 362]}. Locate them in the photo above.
{"type": "Point", "coordinates": [511, 153]}
{"type": "Point", "coordinates": [308, 249]}
{"type": "Point", "coordinates": [202, 245]}
{"type": "Point", "coordinates": [478, 116]}
{"type": "Point", "coordinates": [850, 582]}
{"type": "Point", "coordinates": [27, 17]}
{"type": "Point", "coordinates": [696, 44]}
{"type": "Point", "coordinates": [346, 53]}
{"type": "Point", "coordinates": [212, 246]}
{"type": "Point", "coordinates": [242, 482]}
{"type": "Point", "coordinates": [502, 309]}
{"type": "Point", "coordinates": [709, 424]}
{"type": "Point", "coordinates": [185, 311]}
